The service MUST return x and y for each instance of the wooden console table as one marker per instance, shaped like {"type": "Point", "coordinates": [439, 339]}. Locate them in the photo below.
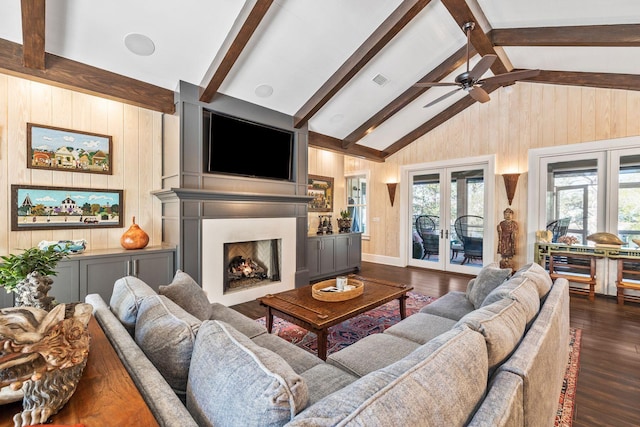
{"type": "Point", "coordinates": [577, 264]}
{"type": "Point", "coordinates": [105, 396]}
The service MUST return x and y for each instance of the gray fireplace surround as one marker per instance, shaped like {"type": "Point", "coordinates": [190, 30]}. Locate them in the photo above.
{"type": "Point", "coordinates": [189, 194]}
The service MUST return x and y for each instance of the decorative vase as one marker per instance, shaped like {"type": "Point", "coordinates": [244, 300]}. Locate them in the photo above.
{"type": "Point", "coordinates": [135, 237]}
{"type": "Point", "coordinates": [33, 291]}
{"type": "Point", "coordinates": [344, 225]}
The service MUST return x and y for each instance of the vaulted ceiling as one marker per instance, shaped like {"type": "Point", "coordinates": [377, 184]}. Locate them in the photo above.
{"type": "Point", "coordinates": [347, 69]}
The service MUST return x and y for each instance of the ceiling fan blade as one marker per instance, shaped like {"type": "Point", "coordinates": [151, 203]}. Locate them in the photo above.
{"type": "Point", "coordinates": [432, 84]}
{"type": "Point", "coordinates": [446, 95]}
{"type": "Point", "coordinates": [482, 66]}
{"type": "Point", "coordinates": [512, 76]}
{"type": "Point", "coordinates": [479, 94]}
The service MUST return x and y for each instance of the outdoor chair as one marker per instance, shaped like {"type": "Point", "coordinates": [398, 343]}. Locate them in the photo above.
{"type": "Point", "coordinates": [469, 229]}
{"type": "Point", "coordinates": [427, 229]}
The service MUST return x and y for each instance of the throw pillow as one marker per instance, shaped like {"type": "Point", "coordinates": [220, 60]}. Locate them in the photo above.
{"type": "Point", "coordinates": [166, 333]}
{"type": "Point", "coordinates": [185, 292]}
{"type": "Point", "coordinates": [125, 299]}
{"type": "Point", "coordinates": [234, 381]}
{"type": "Point", "coordinates": [487, 280]}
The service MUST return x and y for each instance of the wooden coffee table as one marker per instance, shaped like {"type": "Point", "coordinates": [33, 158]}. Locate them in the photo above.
{"type": "Point", "coordinates": [299, 307]}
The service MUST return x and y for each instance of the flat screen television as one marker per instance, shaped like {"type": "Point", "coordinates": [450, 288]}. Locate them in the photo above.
{"type": "Point", "coordinates": [241, 147]}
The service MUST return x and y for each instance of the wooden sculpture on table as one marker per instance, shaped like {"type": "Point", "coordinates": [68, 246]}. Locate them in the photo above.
{"type": "Point", "coordinates": [507, 232]}
{"type": "Point", "coordinates": [44, 355]}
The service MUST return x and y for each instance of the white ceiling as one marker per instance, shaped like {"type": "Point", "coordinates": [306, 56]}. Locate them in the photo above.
{"type": "Point", "coordinates": [300, 44]}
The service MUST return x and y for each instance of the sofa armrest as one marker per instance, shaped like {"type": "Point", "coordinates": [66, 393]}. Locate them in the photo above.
{"type": "Point", "coordinates": [158, 395]}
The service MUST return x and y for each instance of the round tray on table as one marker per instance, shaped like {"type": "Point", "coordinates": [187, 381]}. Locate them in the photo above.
{"type": "Point", "coordinates": [358, 288]}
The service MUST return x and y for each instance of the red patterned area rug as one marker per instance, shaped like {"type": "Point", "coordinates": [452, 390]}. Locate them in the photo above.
{"type": "Point", "coordinates": [377, 320]}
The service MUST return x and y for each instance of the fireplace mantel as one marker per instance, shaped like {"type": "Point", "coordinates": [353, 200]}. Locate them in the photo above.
{"type": "Point", "coordinates": [208, 195]}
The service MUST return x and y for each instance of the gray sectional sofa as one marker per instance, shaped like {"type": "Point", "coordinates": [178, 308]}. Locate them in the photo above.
{"type": "Point", "coordinates": [494, 355]}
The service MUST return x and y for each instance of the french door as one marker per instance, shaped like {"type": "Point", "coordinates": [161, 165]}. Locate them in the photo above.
{"type": "Point", "coordinates": [439, 197]}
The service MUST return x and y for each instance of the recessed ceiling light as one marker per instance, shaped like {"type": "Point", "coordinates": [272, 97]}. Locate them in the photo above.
{"type": "Point", "coordinates": [139, 44]}
{"type": "Point", "coordinates": [264, 91]}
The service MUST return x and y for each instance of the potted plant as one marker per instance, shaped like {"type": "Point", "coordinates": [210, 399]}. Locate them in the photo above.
{"type": "Point", "coordinates": [344, 222]}
{"type": "Point", "coordinates": [28, 275]}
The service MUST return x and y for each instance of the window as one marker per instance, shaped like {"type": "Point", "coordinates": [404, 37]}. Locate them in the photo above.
{"type": "Point", "coordinates": [357, 202]}
{"type": "Point", "coordinates": [594, 185]}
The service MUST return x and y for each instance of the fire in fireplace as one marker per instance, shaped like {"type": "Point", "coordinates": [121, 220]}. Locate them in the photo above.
{"type": "Point", "coordinates": [250, 264]}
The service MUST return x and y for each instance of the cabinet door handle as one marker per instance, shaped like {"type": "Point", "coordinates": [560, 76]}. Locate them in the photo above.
{"type": "Point", "coordinates": [135, 267]}
{"type": "Point", "coordinates": [128, 269]}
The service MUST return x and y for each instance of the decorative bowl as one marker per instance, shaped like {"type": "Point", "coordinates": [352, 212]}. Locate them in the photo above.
{"type": "Point", "coordinates": [327, 291]}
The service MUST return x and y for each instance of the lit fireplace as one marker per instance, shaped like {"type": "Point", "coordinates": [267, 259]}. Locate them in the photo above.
{"type": "Point", "coordinates": [250, 264]}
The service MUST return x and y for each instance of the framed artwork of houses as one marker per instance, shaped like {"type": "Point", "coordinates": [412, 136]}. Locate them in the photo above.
{"type": "Point", "coordinates": [59, 149]}
{"type": "Point", "coordinates": [54, 208]}
{"type": "Point", "coordinates": [321, 189]}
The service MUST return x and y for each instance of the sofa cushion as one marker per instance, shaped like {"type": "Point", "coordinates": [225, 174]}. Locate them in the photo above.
{"type": "Point", "coordinates": [520, 288]}
{"type": "Point", "coordinates": [233, 381]}
{"type": "Point", "coordinates": [421, 327]}
{"type": "Point", "coordinates": [489, 277]}
{"type": "Point", "coordinates": [125, 300]}
{"type": "Point", "coordinates": [185, 292]}
{"type": "Point", "coordinates": [299, 359]}
{"type": "Point", "coordinates": [438, 384]}
{"type": "Point", "coordinates": [502, 324]}
{"type": "Point", "coordinates": [371, 353]}
{"type": "Point", "coordinates": [324, 379]}
{"type": "Point", "coordinates": [166, 333]}
{"type": "Point", "coordinates": [453, 305]}
{"type": "Point", "coordinates": [538, 275]}
{"type": "Point", "coordinates": [239, 321]}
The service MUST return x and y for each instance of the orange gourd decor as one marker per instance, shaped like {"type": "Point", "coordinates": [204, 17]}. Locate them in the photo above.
{"type": "Point", "coordinates": [135, 237]}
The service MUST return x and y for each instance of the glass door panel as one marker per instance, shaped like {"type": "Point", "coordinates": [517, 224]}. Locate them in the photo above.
{"type": "Point", "coordinates": [466, 220]}
{"type": "Point", "coordinates": [425, 209]}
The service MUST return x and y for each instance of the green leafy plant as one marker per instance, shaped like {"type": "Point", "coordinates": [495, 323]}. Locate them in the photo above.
{"type": "Point", "coordinates": [345, 214]}
{"type": "Point", "coordinates": [15, 268]}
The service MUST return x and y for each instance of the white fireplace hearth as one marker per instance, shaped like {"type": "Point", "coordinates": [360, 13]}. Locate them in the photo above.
{"type": "Point", "coordinates": [218, 232]}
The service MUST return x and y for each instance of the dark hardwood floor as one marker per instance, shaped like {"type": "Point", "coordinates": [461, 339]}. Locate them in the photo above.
{"type": "Point", "coordinates": [608, 390]}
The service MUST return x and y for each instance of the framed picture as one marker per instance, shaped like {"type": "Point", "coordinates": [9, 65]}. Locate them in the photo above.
{"type": "Point", "coordinates": [49, 208]}
{"type": "Point", "coordinates": [321, 189]}
{"type": "Point", "coordinates": [53, 148]}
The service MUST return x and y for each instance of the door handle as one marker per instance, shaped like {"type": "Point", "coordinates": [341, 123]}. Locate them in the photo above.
{"type": "Point", "coordinates": [441, 232]}
{"type": "Point", "coordinates": [446, 234]}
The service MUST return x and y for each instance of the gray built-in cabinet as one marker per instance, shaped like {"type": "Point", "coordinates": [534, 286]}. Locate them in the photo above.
{"type": "Point", "coordinates": [332, 254]}
{"type": "Point", "coordinates": [96, 271]}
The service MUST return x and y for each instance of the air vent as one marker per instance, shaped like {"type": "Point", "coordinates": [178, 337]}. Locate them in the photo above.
{"type": "Point", "coordinates": [380, 80]}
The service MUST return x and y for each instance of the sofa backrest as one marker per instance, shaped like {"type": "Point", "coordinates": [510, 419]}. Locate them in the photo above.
{"type": "Point", "coordinates": [440, 383]}
{"type": "Point", "coordinates": [541, 358]}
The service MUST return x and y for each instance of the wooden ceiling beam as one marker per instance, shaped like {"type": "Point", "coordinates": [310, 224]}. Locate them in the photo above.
{"type": "Point", "coordinates": [462, 14]}
{"type": "Point", "coordinates": [329, 143]}
{"type": "Point", "coordinates": [400, 17]}
{"type": "Point", "coordinates": [587, 35]}
{"type": "Point", "coordinates": [33, 35]}
{"type": "Point", "coordinates": [236, 47]}
{"type": "Point", "coordinates": [599, 80]}
{"type": "Point", "coordinates": [436, 121]}
{"type": "Point", "coordinates": [445, 68]}
{"type": "Point", "coordinates": [83, 78]}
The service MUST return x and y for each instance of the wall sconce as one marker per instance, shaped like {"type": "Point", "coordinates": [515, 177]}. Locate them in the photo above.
{"type": "Point", "coordinates": [391, 186]}
{"type": "Point", "coordinates": [510, 183]}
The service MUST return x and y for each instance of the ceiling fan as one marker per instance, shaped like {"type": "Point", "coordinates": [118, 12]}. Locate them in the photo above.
{"type": "Point", "coordinates": [471, 82]}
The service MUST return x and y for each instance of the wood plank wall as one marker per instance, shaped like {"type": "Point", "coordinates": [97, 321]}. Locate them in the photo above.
{"type": "Point", "coordinates": [530, 116]}
{"type": "Point", "coordinates": [137, 158]}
